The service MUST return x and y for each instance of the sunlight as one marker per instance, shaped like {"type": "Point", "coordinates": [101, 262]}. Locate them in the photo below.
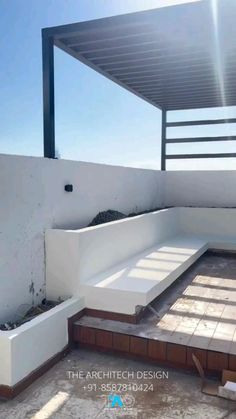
{"type": "Point", "coordinates": [157, 264]}
{"type": "Point", "coordinates": [216, 281]}
{"type": "Point", "coordinates": [108, 281]}
{"type": "Point", "coordinates": [149, 274]}
{"type": "Point", "coordinates": [176, 251]}
{"type": "Point", "coordinates": [51, 407]}
{"type": "Point", "coordinates": [218, 57]}
{"type": "Point", "coordinates": [174, 257]}
{"type": "Point", "coordinates": [149, 4]}
{"type": "Point", "coordinates": [169, 322]}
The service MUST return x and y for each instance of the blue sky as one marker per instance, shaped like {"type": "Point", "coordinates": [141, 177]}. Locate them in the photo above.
{"type": "Point", "coordinates": [96, 120]}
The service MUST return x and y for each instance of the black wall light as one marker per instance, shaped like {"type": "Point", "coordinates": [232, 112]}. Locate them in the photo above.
{"type": "Point", "coordinates": [68, 188]}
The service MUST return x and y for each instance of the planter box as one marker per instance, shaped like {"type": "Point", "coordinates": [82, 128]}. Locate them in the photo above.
{"type": "Point", "coordinates": [31, 345]}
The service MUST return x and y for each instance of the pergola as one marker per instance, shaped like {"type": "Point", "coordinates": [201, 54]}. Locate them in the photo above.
{"type": "Point", "coordinates": [176, 58]}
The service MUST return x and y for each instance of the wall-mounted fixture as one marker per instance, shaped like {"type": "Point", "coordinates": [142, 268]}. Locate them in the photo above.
{"type": "Point", "coordinates": [68, 188]}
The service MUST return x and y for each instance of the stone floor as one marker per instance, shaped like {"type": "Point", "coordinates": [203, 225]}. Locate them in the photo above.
{"type": "Point", "coordinates": [66, 392]}
{"type": "Point", "coordinates": [199, 310]}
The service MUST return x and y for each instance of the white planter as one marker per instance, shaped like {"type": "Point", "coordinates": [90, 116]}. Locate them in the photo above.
{"type": "Point", "coordinates": [27, 347]}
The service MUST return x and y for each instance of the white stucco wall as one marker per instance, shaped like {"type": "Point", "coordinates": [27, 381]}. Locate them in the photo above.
{"type": "Point", "coordinates": [33, 199]}
{"type": "Point", "coordinates": [200, 188]}
{"type": "Point", "coordinates": [212, 223]}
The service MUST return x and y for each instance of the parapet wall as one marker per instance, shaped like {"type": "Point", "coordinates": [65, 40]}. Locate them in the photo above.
{"type": "Point", "coordinates": [33, 199]}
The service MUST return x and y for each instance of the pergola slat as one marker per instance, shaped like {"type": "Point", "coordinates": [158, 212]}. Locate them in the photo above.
{"type": "Point", "coordinates": [201, 122]}
{"type": "Point", "coordinates": [199, 139]}
{"type": "Point", "coordinates": [200, 156]}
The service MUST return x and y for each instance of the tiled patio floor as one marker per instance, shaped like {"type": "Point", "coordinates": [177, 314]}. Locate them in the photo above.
{"type": "Point", "coordinates": [198, 311]}
{"type": "Point", "coordinates": [204, 315]}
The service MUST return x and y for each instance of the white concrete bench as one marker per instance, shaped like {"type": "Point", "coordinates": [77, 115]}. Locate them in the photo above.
{"type": "Point", "coordinates": [120, 265]}
{"type": "Point", "coordinates": [142, 278]}
{"type": "Point", "coordinates": [73, 257]}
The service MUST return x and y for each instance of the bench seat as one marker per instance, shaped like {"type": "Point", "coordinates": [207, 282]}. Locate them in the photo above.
{"type": "Point", "coordinates": [140, 279]}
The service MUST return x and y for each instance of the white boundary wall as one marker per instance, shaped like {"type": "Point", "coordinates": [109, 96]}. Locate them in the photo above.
{"type": "Point", "coordinates": [33, 199]}
{"type": "Point", "coordinates": [209, 222]}
{"type": "Point", "coordinates": [199, 188]}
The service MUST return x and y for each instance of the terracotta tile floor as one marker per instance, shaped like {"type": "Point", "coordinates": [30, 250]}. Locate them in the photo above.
{"type": "Point", "coordinates": [198, 310]}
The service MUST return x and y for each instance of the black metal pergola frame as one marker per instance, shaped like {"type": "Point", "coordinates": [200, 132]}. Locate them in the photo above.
{"type": "Point", "coordinates": [176, 58]}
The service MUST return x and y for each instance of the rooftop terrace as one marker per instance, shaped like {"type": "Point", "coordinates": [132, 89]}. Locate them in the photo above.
{"type": "Point", "coordinates": [143, 287]}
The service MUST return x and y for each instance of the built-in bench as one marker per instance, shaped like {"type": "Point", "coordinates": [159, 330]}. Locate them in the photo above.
{"type": "Point", "coordinates": [121, 265]}
{"type": "Point", "coordinates": [142, 278]}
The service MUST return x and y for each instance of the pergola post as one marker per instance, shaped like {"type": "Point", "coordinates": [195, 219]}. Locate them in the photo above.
{"type": "Point", "coordinates": [163, 140]}
{"type": "Point", "coordinates": [48, 97]}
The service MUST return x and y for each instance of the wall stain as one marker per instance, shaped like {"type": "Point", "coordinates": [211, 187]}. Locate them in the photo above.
{"type": "Point", "coordinates": [32, 291]}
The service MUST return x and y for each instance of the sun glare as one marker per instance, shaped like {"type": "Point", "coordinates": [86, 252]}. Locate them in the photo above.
{"type": "Point", "coordinates": [219, 65]}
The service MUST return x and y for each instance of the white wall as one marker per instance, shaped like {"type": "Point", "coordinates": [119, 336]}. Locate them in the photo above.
{"type": "Point", "coordinates": [200, 188]}
{"type": "Point", "coordinates": [212, 223]}
{"type": "Point", "coordinates": [33, 199]}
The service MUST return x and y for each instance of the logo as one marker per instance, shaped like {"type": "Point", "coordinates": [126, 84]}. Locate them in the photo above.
{"type": "Point", "coordinates": [115, 400]}
{"type": "Point", "coordinates": [118, 401]}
